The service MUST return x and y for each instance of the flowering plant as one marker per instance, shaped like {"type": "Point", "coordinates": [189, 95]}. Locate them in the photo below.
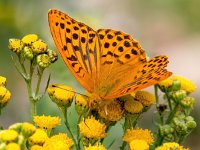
{"type": "Point", "coordinates": [173, 122]}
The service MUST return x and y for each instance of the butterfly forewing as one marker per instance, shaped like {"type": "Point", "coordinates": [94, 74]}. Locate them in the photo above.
{"type": "Point", "coordinates": [78, 46]}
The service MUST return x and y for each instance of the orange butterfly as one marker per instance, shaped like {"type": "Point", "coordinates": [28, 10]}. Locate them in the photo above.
{"type": "Point", "coordinates": [107, 63]}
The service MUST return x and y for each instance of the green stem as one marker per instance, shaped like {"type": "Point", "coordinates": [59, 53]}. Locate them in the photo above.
{"type": "Point", "coordinates": [169, 101]}
{"type": "Point", "coordinates": [123, 145]}
{"type": "Point", "coordinates": [40, 73]}
{"type": "Point", "coordinates": [64, 110]}
{"type": "Point", "coordinates": [156, 93]}
{"type": "Point", "coordinates": [171, 115]}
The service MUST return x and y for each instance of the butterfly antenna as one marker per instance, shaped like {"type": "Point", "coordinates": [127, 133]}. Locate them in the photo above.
{"type": "Point", "coordinates": [69, 90]}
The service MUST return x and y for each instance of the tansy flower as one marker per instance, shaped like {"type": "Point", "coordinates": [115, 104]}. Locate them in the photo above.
{"type": "Point", "coordinates": [146, 98]}
{"type": "Point", "coordinates": [138, 134]}
{"type": "Point", "coordinates": [97, 146]}
{"type": "Point", "coordinates": [61, 94]}
{"type": "Point", "coordinates": [13, 146]}
{"type": "Point", "coordinates": [139, 145]}
{"type": "Point", "coordinates": [2, 81]}
{"type": "Point", "coordinates": [166, 84]}
{"type": "Point", "coordinates": [27, 129]}
{"type": "Point", "coordinates": [46, 122]}
{"type": "Point", "coordinates": [58, 142]}
{"type": "Point", "coordinates": [15, 45]}
{"type": "Point", "coordinates": [27, 53]}
{"type": "Point", "coordinates": [8, 135]}
{"type": "Point", "coordinates": [4, 95]}
{"type": "Point", "coordinates": [111, 112]}
{"type": "Point", "coordinates": [91, 128]}
{"type": "Point", "coordinates": [186, 84]}
{"type": "Point", "coordinates": [29, 39]}
{"type": "Point", "coordinates": [132, 106]}
{"type": "Point", "coordinates": [171, 146]}
{"type": "Point", "coordinates": [38, 138]}
{"type": "Point", "coordinates": [43, 60]}
{"type": "Point", "coordinates": [52, 55]}
{"type": "Point", "coordinates": [39, 47]}
{"type": "Point", "coordinates": [36, 147]}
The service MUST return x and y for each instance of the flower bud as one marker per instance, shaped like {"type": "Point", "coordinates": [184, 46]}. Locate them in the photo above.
{"type": "Point", "coordinates": [179, 95]}
{"type": "Point", "coordinates": [166, 85]}
{"type": "Point", "coordinates": [43, 60]}
{"type": "Point", "coordinates": [27, 129]}
{"type": "Point", "coordinates": [166, 129]}
{"type": "Point", "coordinates": [81, 104]}
{"type": "Point", "coordinates": [16, 127]}
{"type": "Point", "coordinates": [4, 95]}
{"type": "Point", "coordinates": [146, 98]}
{"type": "Point", "coordinates": [133, 106]}
{"type": "Point", "coordinates": [187, 102]}
{"type": "Point", "coordinates": [2, 81]}
{"type": "Point", "coordinates": [29, 39]}
{"type": "Point", "coordinates": [15, 45]}
{"type": "Point", "coordinates": [53, 56]}
{"type": "Point", "coordinates": [39, 47]}
{"type": "Point", "coordinates": [27, 53]}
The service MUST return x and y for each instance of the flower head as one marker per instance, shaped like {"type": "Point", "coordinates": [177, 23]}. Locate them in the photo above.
{"type": "Point", "coordinates": [139, 145]}
{"type": "Point", "coordinates": [60, 94]}
{"type": "Point", "coordinates": [43, 60]}
{"type": "Point", "coordinates": [132, 106]}
{"type": "Point", "coordinates": [58, 142]}
{"type": "Point", "coordinates": [97, 146]}
{"type": "Point", "coordinates": [186, 84]}
{"type": "Point", "coordinates": [171, 146]}
{"type": "Point", "coordinates": [15, 45]}
{"type": "Point", "coordinates": [111, 112]}
{"type": "Point", "coordinates": [166, 84]}
{"type": "Point", "coordinates": [39, 47]}
{"type": "Point", "coordinates": [92, 128]}
{"type": "Point", "coordinates": [13, 146]}
{"type": "Point", "coordinates": [4, 95]}
{"type": "Point", "coordinates": [52, 55]}
{"type": "Point", "coordinates": [2, 81]}
{"type": "Point", "coordinates": [46, 122]}
{"type": "Point", "coordinates": [81, 103]}
{"type": "Point", "coordinates": [8, 135]}
{"type": "Point", "coordinates": [29, 39]}
{"type": "Point", "coordinates": [27, 129]}
{"type": "Point", "coordinates": [138, 134]}
{"type": "Point", "coordinates": [27, 53]}
{"type": "Point", "coordinates": [146, 98]}
{"type": "Point", "coordinates": [38, 138]}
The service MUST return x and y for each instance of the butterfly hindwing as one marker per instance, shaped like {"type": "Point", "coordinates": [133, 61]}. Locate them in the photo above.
{"type": "Point", "coordinates": [78, 46]}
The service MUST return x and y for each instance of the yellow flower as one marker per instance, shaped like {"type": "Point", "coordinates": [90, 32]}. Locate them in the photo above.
{"type": "Point", "coordinates": [81, 100]}
{"type": "Point", "coordinates": [58, 142]}
{"type": "Point", "coordinates": [111, 112]}
{"type": "Point", "coordinates": [165, 84]}
{"type": "Point", "coordinates": [61, 94]}
{"type": "Point", "coordinates": [97, 146]}
{"type": "Point", "coordinates": [2, 81]}
{"type": "Point", "coordinates": [133, 106]}
{"type": "Point", "coordinates": [43, 60]}
{"type": "Point", "coordinates": [27, 129]}
{"type": "Point", "coordinates": [8, 135]}
{"type": "Point", "coordinates": [4, 95]}
{"type": "Point", "coordinates": [138, 134]}
{"type": "Point", "coordinates": [15, 45]}
{"type": "Point", "coordinates": [39, 47]}
{"type": "Point", "coordinates": [139, 145]}
{"type": "Point", "coordinates": [186, 84]}
{"type": "Point", "coordinates": [92, 128]}
{"type": "Point", "coordinates": [52, 55]}
{"type": "Point", "coordinates": [46, 122]}
{"type": "Point", "coordinates": [146, 98]}
{"type": "Point", "coordinates": [29, 39]}
{"type": "Point", "coordinates": [13, 146]}
{"type": "Point", "coordinates": [36, 147]}
{"type": "Point", "coordinates": [38, 138]}
{"type": "Point", "coordinates": [171, 146]}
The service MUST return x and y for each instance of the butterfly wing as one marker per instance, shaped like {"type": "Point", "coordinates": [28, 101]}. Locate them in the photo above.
{"type": "Point", "coordinates": [78, 45]}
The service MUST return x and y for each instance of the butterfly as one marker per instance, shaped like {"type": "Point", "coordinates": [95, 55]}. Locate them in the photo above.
{"type": "Point", "coordinates": [107, 63]}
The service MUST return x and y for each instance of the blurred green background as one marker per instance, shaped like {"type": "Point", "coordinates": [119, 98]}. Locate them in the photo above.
{"type": "Point", "coordinates": [170, 27]}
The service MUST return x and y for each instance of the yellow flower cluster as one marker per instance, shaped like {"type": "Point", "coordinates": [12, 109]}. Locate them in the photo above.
{"type": "Point", "coordinates": [185, 84]}
{"type": "Point", "coordinates": [171, 146]}
{"type": "Point", "coordinates": [4, 93]}
{"type": "Point", "coordinates": [139, 145]}
{"type": "Point", "coordinates": [32, 48]}
{"type": "Point", "coordinates": [97, 146]}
